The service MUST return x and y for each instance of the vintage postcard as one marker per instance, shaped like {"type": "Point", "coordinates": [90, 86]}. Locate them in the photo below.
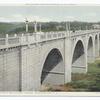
{"type": "Point", "coordinates": [50, 49]}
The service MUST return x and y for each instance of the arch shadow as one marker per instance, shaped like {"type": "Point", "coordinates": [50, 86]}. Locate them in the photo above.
{"type": "Point", "coordinates": [96, 46]}
{"type": "Point", "coordinates": [53, 68]}
{"type": "Point", "coordinates": [78, 58]}
{"type": "Point", "coordinates": [90, 57]}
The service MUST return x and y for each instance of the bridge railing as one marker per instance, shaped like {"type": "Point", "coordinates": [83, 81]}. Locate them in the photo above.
{"type": "Point", "coordinates": [80, 32]}
{"type": "Point", "coordinates": [2, 41]}
{"type": "Point", "coordinates": [31, 38]}
{"type": "Point", "coordinates": [52, 35]}
{"type": "Point", "coordinates": [13, 40]}
{"type": "Point", "coordinates": [38, 37]}
{"type": "Point", "coordinates": [9, 40]}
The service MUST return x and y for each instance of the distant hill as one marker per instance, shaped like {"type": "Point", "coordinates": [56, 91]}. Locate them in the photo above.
{"type": "Point", "coordinates": [17, 27]}
{"type": "Point", "coordinates": [4, 27]}
{"type": "Point", "coordinates": [7, 27]}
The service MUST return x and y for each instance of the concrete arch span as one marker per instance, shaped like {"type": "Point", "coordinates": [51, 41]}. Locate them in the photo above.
{"type": "Point", "coordinates": [79, 57]}
{"type": "Point", "coordinates": [53, 68]}
{"type": "Point", "coordinates": [96, 46]}
{"type": "Point", "coordinates": [90, 55]}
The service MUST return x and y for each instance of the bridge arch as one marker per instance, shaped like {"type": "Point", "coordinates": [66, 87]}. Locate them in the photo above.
{"type": "Point", "coordinates": [96, 45]}
{"type": "Point", "coordinates": [78, 57]}
{"type": "Point", "coordinates": [90, 56]}
{"type": "Point", "coordinates": [53, 68]}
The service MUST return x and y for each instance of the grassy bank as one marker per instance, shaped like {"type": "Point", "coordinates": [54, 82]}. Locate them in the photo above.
{"type": "Point", "coordinates": [83, 82]}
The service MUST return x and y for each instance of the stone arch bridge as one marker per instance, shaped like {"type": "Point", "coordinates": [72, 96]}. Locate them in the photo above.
{"type": "Point", "coordinates": [29, 60]}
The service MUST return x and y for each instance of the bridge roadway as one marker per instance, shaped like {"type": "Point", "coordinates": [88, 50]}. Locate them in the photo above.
{"type": "Point", "coordinates": [29, 60]}
{"type": "Point", "coordinates": [32, 38]}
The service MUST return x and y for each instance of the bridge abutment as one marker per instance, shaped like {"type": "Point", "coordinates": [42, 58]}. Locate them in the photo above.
{"type": "Point", "coordinates": [30, 68]}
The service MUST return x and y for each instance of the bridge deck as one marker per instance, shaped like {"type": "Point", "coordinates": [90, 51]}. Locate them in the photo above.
{"type": "Point", "coordinates": [29, 38]}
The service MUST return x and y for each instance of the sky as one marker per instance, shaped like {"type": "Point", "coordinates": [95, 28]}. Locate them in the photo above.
{"type": "Point", "coordinates": [46, 13]}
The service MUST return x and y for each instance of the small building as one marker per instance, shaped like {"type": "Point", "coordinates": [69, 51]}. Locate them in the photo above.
{"type": "Point", "coordinates": [59, 27]}
{"type": "Point", "coordinates": [96, 26]}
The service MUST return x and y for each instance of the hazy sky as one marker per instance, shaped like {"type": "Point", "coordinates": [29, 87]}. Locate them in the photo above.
{"type": "Point", "coordinates": [49, 13]}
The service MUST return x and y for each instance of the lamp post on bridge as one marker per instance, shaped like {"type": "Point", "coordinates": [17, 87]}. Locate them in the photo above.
{"type": "Point", "coordinates": [68, 28]}
{"type": "Point", "coordinates": [26, 22]}
{"type": "Point", "coordinates": [35, 26]}
{"type": "Point", "coordinates": [40, 27]}
{"type": "Point", "coordinates": [80, 28]}
{"type": "Point", "coordinates": [86, 27]}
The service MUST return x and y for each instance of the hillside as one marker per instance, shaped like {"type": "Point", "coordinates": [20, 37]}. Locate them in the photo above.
{"type": "Point", "coordinates": [7, 27]}
{"type": "Point", "coordinates": [16, 27]}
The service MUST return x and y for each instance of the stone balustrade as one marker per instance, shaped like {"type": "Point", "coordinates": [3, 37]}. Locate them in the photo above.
{"type": "Point", "coordinates": [31, 38]}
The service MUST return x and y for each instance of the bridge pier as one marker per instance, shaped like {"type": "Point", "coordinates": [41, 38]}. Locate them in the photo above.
{"type": "Point", "coordinates": [98, 47]}
{"type": "Point", "coordinates": [67, 60]}
{"type": "Point", "coordinates": [94, 50]}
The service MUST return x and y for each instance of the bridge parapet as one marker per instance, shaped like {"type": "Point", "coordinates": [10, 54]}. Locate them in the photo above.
{"type": "Point", "coordinates": [83, 32]}
{"type": "Point", "coordinates": [52, 35]}
{"type": "Point", "coordinates": [29, 38]}
{"type": "Point", "coordinates": [9, 40]}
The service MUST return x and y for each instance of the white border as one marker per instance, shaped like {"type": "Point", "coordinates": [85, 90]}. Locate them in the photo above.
{"type": "Point", "coordinates": [50, 2]}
